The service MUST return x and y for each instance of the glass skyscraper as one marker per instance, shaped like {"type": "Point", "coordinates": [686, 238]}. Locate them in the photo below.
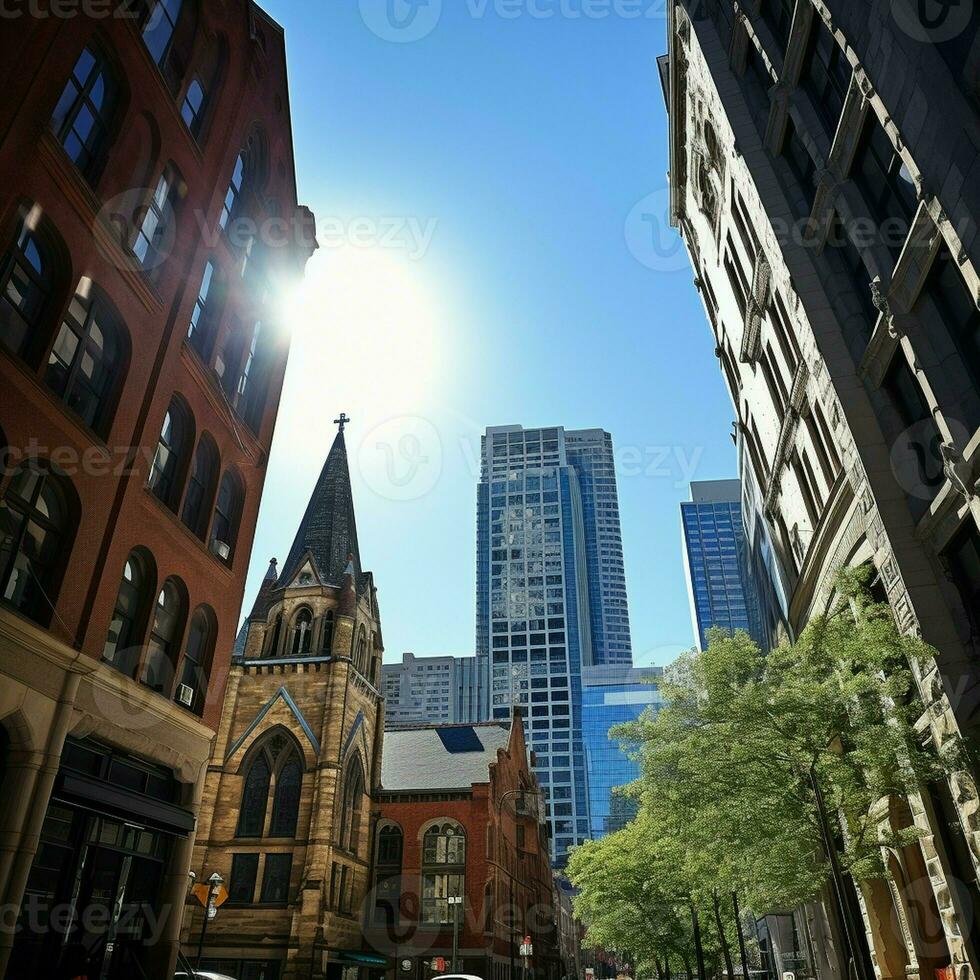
{"type": "Point", "coordinates": [551, 597]}
{"type": "Point", "coordinates": [720, 590]}
{"type": "Point", "coordinates": [613, 695]}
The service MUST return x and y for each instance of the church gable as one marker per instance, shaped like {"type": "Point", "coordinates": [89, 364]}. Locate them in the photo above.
{"type": "Point", "coordinates": [279, 709]}
{"type": "Point", "coordinates": [307, 574]}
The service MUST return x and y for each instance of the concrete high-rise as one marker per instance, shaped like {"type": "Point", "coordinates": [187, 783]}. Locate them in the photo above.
{"type": "Point", "coordinates": [433, 691]}
{"type": "Point", "coordinates": [719, 587]}
{"type": "Point", "coordinates": [823, 176]}
{"type": "Point", "coordinates": [551, 596]}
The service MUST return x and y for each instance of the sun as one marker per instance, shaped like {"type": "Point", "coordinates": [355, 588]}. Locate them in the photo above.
{"type": "Point", "coordinates": [368, 338]}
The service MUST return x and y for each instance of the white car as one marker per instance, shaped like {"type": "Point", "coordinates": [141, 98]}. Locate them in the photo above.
{"type": "Point", "coordinates": [201, 975]}
{"type": "Point", "coordinates": [457, 976]}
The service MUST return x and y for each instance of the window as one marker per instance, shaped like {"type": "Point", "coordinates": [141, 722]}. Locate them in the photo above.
{"type": "Point", "coordinates": [327, 646]}
{"type": "Point", "coordinates": [207, 311]}
{"type": "Point", "coordinates": [86, 360]}
{"type": "Point", "coordinates": [926, 474]}
{"type": "Point", "coordinates": [244, 871]}
{"type": "Point", "coordinates": [227, 513]}
{"type": "Point", "coordinates": [275, 880]}
{"type": "Point", "coordinates": [826, 75]}
{"type": "Point", "coordinates": [164, 639]}
{"type": "Point", "coordinates": [201, 488]}
{"type": "Point", "coordinates": [274, 763]}
{"type": "Point", "coordinates": [302, 633]}
{"type": "Point", "coordinates": [285, 804]}
{"type": "Point", "coordinates": [352, 806]}
{"type": "Point", "coordinates": [963, 556]}
{"type": "Point", "coordinates": [26, 281]}
{"type": "Point", "coordinates": [778, 15]}
{"type": "Point", "coordinates": [36, 532]}
{"type": "Point", "coordinates": [149, 246]}
{"type": "Point", "coordinates": [886, 185]}
{"type": "Point", "coordinates": [196, 669]}
{"type": "Point", "coordinates": [360, 660]}
{"type": "Point", "coordinates": [158, 32]}
{"type": "Point", "coordinates": [129, 616]}
{"type": "Point", "coordinates": [801, 164]}
{"type": "Point", "coordinates": [842, 244]}
{"type": "Point", "coordinates": [169, 461]}
{"type": "Point", "coordinates": [233, 196]}
{"type": "Point", "coordinates": [390, 844]}
{"type": "Point", "coordinates": [192, 111]}
{"type": "Point", "coordinates": [255, 796]}
{"type": "Point", "coordinates": [443, 863]}
{"type": "Point", "coordinates": [251, 385]}
{"type": "Point", "coordinates": [949, 292]}
{"type": "Point", "coordinates": [84, 113]}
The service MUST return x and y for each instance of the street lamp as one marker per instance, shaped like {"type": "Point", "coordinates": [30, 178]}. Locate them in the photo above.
{"type": "Point", "coordinates": [214, 883]}
{"type": "Point", "coordinates": [455, 901]}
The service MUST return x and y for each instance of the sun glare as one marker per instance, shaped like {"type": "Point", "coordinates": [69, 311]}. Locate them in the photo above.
{"type": "Point", "coordinates": [366, 338]}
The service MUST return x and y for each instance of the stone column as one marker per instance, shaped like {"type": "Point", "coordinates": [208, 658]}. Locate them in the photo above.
{"type": "Point", "coordinates": [39, 771]}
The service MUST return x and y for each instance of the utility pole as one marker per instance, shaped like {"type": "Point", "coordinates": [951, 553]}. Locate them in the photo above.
{"type": "Point", "coordinates": [456, 902]}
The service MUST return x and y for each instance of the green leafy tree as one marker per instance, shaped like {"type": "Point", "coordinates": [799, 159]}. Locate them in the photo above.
{"type": "Point", "coordinates": [728, 766]}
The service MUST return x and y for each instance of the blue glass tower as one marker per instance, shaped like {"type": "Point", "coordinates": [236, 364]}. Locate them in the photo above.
{"type": "Point", "coordinates": [720, 590]}
{"type": "Point", "coordinates": [612, 696]}
{"type": "Point", "coordinates": [545, 497]}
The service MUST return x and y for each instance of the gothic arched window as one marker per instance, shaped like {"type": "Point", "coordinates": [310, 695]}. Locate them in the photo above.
{"type": "Point", "coordinates": [122, 645]}
{"type": "Point", "coordinates": [360, 657]}
{"type": "Point", "coordinates": [84, 114]}
{"type": "Point", "coordinates": [443, 869]}
{"type": "Point", "coordinates": [285, 803]}
{"type": "Point", "coordinates": [274, 766]}
{"type": "Point", "coordinates": [255, 797]}
{"type": "Point", "coordinates": [302, 633]}
{"type": "Point", "coordinates": [87, 359]}
{"type": "Point", "coordinates": [272, 637]}
{"type": "Point", "coordinates": [352, 806]}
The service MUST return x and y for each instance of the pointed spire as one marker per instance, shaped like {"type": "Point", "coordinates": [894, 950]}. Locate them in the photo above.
{"type": "Point", "coordinates": [263, 598]}
{"type": "Point", "coordinates": [347, 604]}
{"type": "Point", "coordinates": [328, 531]}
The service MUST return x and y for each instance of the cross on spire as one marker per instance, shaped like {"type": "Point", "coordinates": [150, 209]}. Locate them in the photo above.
{"type": "Point", "coordinates": [342, 421]}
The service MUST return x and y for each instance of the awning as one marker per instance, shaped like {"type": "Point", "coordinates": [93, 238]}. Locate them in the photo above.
{"type": "Point", "coordinates": [113, 801]}
{"type": "Point", "coordinates": [364, 959]}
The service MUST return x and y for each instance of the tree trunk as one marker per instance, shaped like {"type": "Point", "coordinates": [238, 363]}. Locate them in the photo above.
{"type": "Point", "coordinates": [741, 936]}
{"type": "Point", "coordinates": [725, 948]}
{"type": "Point", "coordinates": [687, 968]}
{"type": "Point", "coordinates": [698, 948]}
{"type": "Point", "coordinates": [666, 966]}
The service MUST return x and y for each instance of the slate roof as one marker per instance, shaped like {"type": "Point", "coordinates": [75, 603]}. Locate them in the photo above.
{"type": "Point", "coordinates": [328, 531]}
{"type": "Point", "coordinates": [419, 759]}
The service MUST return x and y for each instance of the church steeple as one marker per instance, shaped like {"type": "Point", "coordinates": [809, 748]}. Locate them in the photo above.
{"type": "Point", "coordinates": [328, 533]}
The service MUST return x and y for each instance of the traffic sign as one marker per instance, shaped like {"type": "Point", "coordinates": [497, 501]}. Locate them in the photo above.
{"type": "Point", "coordinates": [440, 964]}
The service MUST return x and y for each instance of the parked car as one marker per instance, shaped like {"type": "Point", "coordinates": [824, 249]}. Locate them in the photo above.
{"type": "Point", "coordinates": [201, 975]}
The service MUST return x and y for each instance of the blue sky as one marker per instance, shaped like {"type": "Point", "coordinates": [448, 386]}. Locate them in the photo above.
{"type": "Point", "coordinates": [484, 197]}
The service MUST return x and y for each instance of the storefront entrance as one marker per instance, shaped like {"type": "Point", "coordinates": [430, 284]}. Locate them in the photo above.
{"type": "Point", "coordinates": [93, 900]}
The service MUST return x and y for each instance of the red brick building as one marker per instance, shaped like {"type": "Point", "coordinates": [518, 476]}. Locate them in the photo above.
{"type": "Point", "coordinates": [460, 815]}
{"type": "Point", "coordinates": [148, 221]}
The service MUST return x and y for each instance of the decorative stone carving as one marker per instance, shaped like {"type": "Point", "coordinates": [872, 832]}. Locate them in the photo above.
{"type": "Point", "coordinates": [958, 471]}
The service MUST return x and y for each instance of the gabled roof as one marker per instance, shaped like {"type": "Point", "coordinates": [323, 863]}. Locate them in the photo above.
{"type": "Point", "coordinates": [447, 757]}
{"type": "Point", "coordinates": [328, 532]}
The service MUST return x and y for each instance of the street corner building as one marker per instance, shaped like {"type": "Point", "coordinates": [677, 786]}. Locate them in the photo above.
{"type": "Point", "coordinates": [461, 816]}
{"type": "Point", "coordinates": [824, 178]}
{"type": "Point", "coordinates": [286, 821]}
{"type": "Point", "coordinates": [141, 362]}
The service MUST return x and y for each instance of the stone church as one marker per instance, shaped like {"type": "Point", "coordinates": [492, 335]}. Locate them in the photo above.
{"type": "Point", "coordinates": [286, 813]}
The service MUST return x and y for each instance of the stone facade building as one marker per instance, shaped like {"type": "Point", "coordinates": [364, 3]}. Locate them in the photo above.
{"type": "Point", "coordinates": [824, 177]}
{"type": "Point", "coordinates": [287, 814]}
{"type": "Point", "coordinates": [141, 366]}
{"type": "Point", "coordinates": [460, 815]}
